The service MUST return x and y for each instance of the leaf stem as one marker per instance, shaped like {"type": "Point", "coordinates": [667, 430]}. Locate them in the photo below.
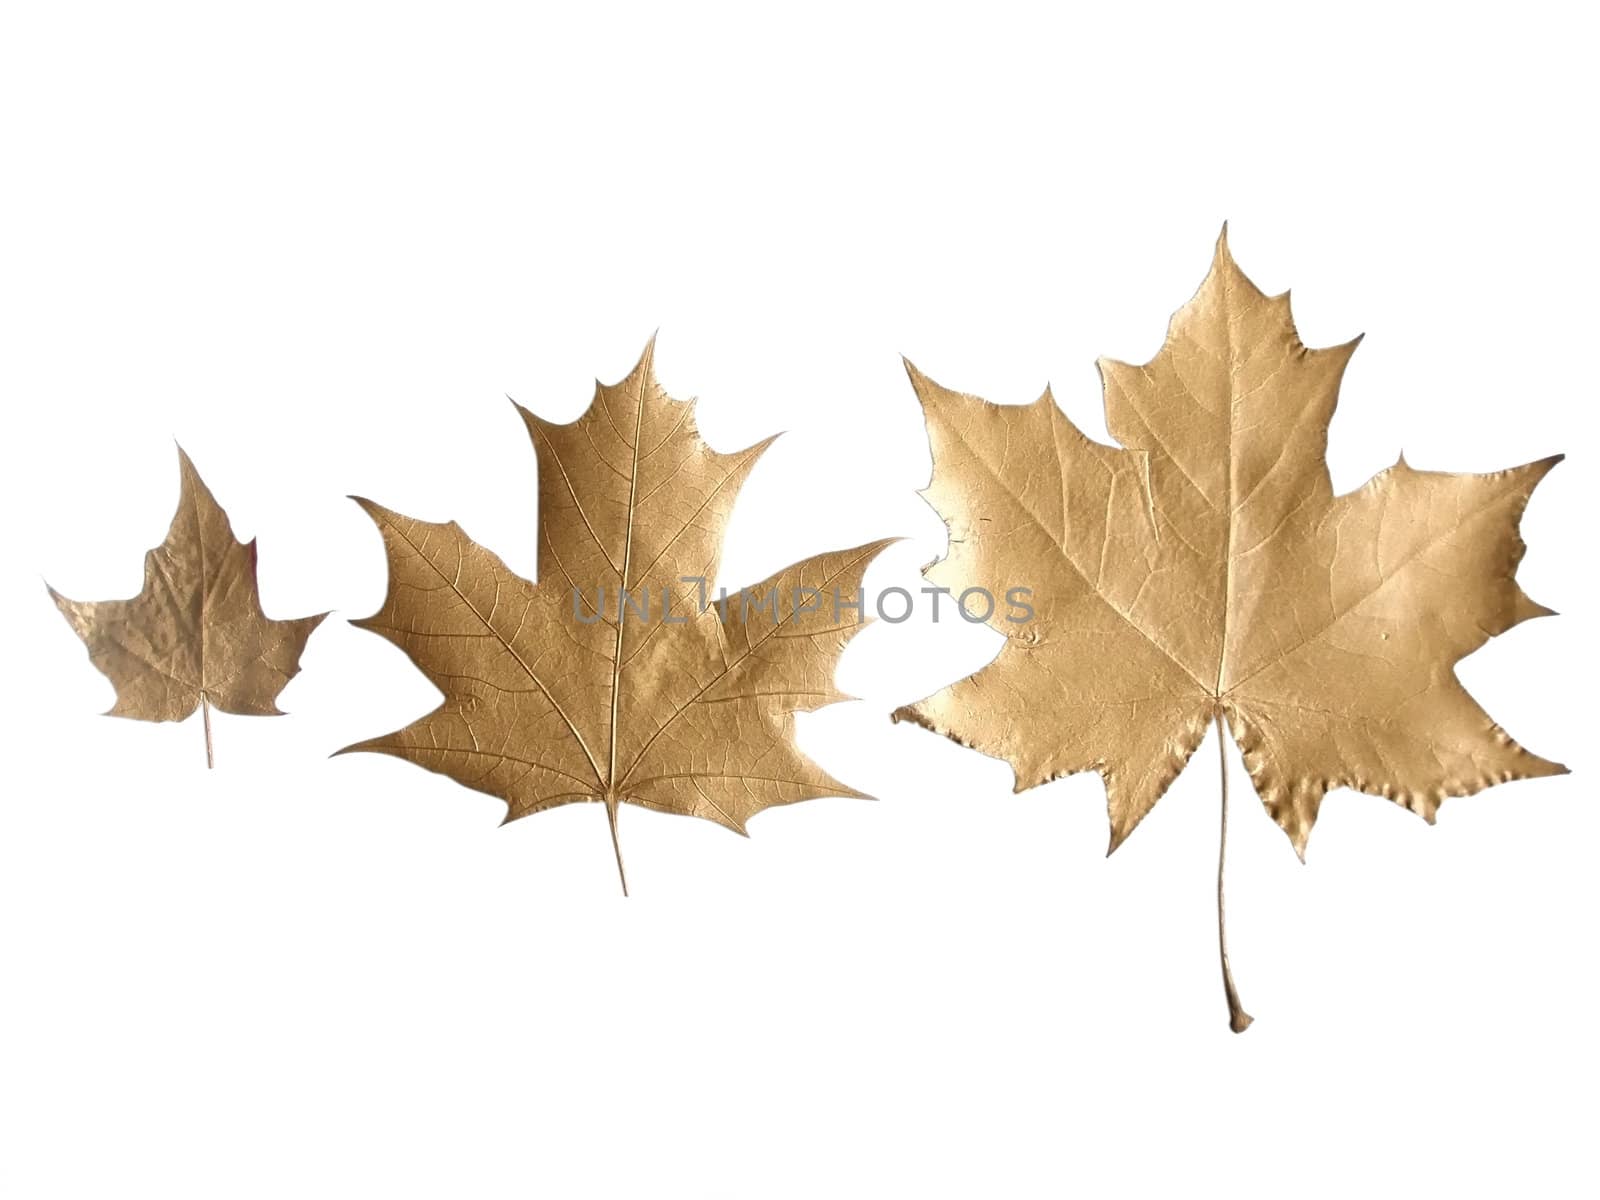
{"type": "Point", "coordinates": [1238, 1019]}
{"type": "Point", "coordinates": [205, 718]}
{"type": "Point", "coordinates": [616, 845]}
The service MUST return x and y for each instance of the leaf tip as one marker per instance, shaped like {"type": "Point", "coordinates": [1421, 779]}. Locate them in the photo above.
{"type": "Point", "coordinates": [647, 356]}
{"type": "Point", "coordinates": [914, 373]}
{"type": "Point", "coordinates": [187, 471]}
{"type": "Point", "coordinates": [371, 507]}
{"type": "Point", "coordinates": [1222, 255]}
{"type": "Point", "coordinates": [1543, 466]}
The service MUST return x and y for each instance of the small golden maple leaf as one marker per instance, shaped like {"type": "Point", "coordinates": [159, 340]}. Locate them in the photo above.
{"type": "Point", "coordinates": [1205, 570]}
{"type": "Point", "coordinates": [561, 691]}
{"type": "Point", "coordinates": [195, 635]}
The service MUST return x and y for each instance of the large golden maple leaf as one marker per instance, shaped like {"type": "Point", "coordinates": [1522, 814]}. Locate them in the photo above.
{"type": "Point", "coordinates": [561, 691]}
{"type": "Point", "coordinates": [1204, 570]}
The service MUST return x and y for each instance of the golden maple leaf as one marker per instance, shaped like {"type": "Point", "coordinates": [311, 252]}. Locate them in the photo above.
{"type": "Point", "coordinates": [560, 692]}
{"type": "Point", "coordinates": [1206, 571]}
{"type": "Point", "coordinates": [195, 635]}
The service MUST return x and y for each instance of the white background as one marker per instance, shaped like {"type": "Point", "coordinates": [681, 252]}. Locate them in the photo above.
{"type": "Point", "coordinates": [320, 245]}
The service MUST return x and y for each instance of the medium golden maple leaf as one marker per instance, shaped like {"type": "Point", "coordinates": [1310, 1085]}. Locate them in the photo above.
{"type": "Point", "coordinates": [1206, 571]}
{"type": "Point", "coordinates": [560, 692]}
{"type": "Point", "coordinates": [195, 635]}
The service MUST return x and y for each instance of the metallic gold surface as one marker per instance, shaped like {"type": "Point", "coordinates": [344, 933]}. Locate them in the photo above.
{"type": "Point", "coordinates": [1205, 568]}
{"type": "Point", "coordinates": [195, 635]}
{"type": "Point", "coordinates": [543, 708]}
